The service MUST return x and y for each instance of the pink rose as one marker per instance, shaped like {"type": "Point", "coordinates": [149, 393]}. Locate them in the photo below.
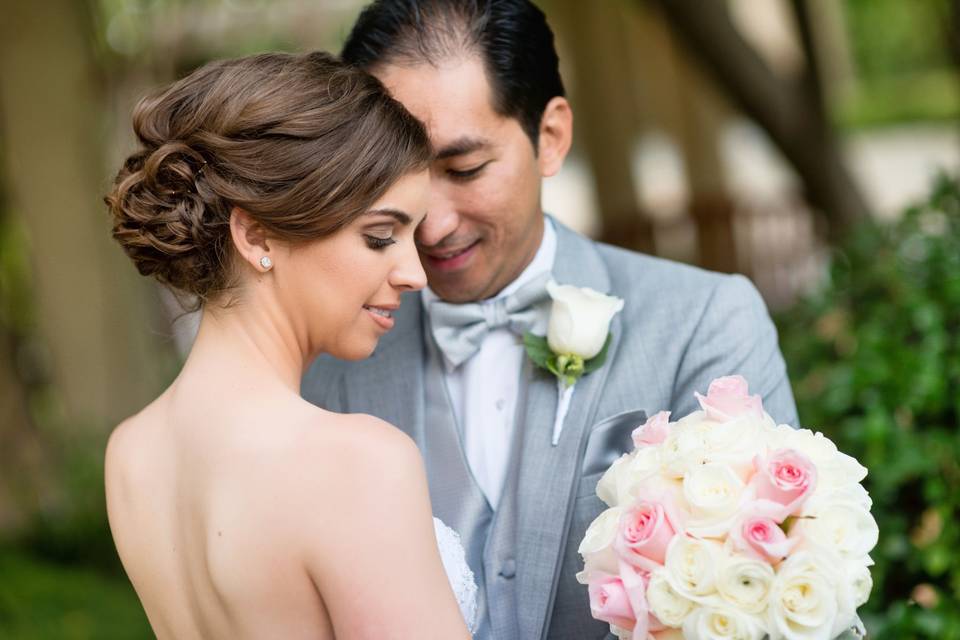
{"type": "Point", "coordinates": [635, 581]}
{"type": "Point", "coordinates": [653, 431]}
{"type": "Point", "coordinates": [643, 534]}
{"type": "Point", "coordinates": [759, 535]}
{"type": "Point", "coordinates": [609, 602]}
{"type": "Point", "coordinates": [785, 478]}
{"type": "Point", "coordinates": [727, 398]}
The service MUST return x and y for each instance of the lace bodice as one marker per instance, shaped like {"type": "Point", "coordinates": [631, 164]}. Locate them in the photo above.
{"type": "Point", "coordinates": [461, 577]}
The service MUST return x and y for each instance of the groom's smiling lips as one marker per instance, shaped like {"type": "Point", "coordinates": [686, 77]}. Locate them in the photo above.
{"type": "Point", "coordinates": [449, 259]}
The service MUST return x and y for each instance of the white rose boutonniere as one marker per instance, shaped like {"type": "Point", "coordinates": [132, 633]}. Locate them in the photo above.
{"type": "Point", "coordinates": [578, 336]}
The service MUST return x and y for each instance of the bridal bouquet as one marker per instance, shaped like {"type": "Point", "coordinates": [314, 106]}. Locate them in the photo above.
{"type": "Point", "coordinates": [725, 524]}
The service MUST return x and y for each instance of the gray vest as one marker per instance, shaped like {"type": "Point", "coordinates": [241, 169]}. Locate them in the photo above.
{"type": "Point", "coordinates": [458, 500]}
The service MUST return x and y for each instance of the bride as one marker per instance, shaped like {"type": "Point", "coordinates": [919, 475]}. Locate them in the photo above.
{"type": "Point", "coordinates": [281, 193]}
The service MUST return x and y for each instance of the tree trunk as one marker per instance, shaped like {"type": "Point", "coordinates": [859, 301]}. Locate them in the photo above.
{"type": "Point", "coordinates": [94, 318]}
{"type": "Point", "coordinates": [607, 116]}
{"type": "Point", "coordinates": [790, 116]}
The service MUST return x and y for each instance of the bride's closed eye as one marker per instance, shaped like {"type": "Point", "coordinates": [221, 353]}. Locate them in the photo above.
{"type": "Point", "coordinates": [376, 242]}
{"type": "Point", "coordinates": [379, 235]}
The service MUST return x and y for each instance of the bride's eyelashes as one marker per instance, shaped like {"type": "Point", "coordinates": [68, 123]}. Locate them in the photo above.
{"type": "Point", "coordinates": [377, 243]}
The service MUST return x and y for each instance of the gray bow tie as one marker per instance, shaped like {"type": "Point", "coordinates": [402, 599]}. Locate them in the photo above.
{"type": "Point", "coordinates": [459, 329]}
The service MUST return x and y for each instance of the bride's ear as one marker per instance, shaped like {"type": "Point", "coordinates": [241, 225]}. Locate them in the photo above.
{"type": "Point", "coordinates": [250, 239]}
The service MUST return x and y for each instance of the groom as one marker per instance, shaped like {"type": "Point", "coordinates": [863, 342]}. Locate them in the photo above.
{"type": "Point", "coordinates": [453, 374]}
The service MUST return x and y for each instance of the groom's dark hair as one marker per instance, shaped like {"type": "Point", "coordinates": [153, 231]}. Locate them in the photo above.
{"type": "Point", "coordinates": [511, 36]}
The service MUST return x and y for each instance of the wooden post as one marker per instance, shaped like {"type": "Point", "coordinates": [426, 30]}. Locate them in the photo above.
{"type": "Point", "coordinates": [606, 115]}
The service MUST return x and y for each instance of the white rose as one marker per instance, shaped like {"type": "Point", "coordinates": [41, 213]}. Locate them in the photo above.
{"type": "Point", "coordinates": [841, 526]}
{"type": "Point", "coordinates": [691, 566]}
{"type": "Point", "coordinates": [859, 581]}
{"type": "Point", "coordinates": [745, 583]}
{"type": "Point", "coordinates": [849, 493]}
{"type": "Point", "coordinates": [618, 482]}
{"type": "Point", "coordinates": [735, 443]}
{"type": "Point", "coordinates": [601, 532]}
{"type": "Point", "coordinates": [803, 600]}
{"type": "Point", "coordinates": [665, 603]}
{"type": "Point", "coordinates": [722, 623]}
{"type": "Point", "coordinates": [713, 493]}
{"type": "Point", "coordinates": [684, 449]}
{"type": "Point", "coordinates": [579, 320]}
{"type": "Point", "coordinates": [776, 436]}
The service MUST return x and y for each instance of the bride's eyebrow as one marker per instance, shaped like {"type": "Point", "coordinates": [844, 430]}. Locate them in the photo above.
{"type": "Point", "coordinates": [398, 215]}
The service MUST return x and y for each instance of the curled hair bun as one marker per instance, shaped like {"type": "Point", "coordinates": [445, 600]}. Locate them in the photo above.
{"type": "Point", "coordinates": [302, 143]}
{"type": "Point", "coordinates": [162, 221]}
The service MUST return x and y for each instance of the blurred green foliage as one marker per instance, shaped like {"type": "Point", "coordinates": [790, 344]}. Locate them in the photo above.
{"type": "Point", "coordinates": [41, 600]}
{"type": "Point", "coordinates": [903, 63]}
{"type": "Point", "coordinates": [60, 578]}
{"type": "Point", "coordinates": [893, 37]}
{"type": "Point", "coordinates": [875, 362]}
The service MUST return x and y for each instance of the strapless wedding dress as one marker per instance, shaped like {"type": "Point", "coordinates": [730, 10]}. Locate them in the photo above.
{"type": "Point", "coordinates": [461, 577]}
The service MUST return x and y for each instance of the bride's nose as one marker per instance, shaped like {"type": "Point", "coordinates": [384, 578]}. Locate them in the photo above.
{"type": "Point", "coordinates": [408, 274]}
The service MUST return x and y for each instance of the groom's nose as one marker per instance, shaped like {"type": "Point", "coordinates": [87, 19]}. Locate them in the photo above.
{"type": "Point", "coordinates": [442, 220]}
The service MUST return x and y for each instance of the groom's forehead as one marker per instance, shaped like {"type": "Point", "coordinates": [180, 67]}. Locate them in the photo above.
{"type": "Point", "coordinates": [452, 98]}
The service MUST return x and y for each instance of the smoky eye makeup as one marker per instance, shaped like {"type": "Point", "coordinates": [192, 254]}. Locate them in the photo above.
{"type": "Point", "coordinates": [376, 242]}
{"type": "Point", "coordinates": [379, 236]}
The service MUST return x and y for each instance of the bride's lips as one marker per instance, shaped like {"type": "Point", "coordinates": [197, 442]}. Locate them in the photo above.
{"type": "Point", "coordinates": [450, 259]}
{"type": "Point", "coordinates": [382, 315]}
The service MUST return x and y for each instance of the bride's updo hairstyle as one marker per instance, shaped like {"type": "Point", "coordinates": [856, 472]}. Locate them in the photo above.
{"type": "Point", "coordinates": [302, 143]}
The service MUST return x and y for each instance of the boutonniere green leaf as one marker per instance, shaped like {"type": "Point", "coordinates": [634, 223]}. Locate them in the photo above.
{"type": "Point", "coordinates": [577, 341]}
{"type": "Point", "coordinates": [568, 368]}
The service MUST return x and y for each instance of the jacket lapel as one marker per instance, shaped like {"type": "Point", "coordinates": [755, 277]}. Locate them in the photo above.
{"type": "Point", "coordinates": [389, 384]}
{"type": "Point", "coordinates": [548, 474]}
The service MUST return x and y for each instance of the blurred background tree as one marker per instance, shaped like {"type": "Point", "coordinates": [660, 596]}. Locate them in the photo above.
{"type": "Point", "coordinates": [779, 138]}
{"type": "Point", "coordinates": [875, 363]}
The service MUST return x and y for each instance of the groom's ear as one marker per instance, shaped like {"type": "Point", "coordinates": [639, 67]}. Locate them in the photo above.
{"type": "Point", "coordinates": [556, 136]}
{"type": "Point", "coordinates": [249, 237]}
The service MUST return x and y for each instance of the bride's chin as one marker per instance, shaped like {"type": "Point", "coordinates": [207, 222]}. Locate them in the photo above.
{"type": "Point", "coordinates": [357, 350]}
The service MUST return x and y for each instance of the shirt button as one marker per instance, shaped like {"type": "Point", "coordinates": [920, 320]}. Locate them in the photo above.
{"type": "Point", "coordinates": [500, 404]}
{"type": "Point", "coordinates": [509, 568]}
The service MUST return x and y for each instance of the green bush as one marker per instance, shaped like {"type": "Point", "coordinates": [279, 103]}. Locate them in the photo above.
{"type": "Point", "coordinates": [44, 600]}
{"type": "Point", "coordinates": [875, 363]}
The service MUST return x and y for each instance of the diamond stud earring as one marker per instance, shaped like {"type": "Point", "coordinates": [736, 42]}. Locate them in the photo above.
{"type": "Point", "coordinates": [266, 263]}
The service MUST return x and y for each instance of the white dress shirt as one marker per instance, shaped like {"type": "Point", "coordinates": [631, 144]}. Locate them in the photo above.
{"type": "Point", "coordinates": [483, 390]}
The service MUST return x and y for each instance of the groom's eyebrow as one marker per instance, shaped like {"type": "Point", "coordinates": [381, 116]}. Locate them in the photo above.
{"type": "Point", "coordinates": [396, 214]}
{"type": "Point", "coordinates": [461, 147]}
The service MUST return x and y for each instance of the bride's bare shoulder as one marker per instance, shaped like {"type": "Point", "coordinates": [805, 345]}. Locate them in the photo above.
{"type": "Point", "coordinates": [351, 443]}
{"type": "Point", "coordinates": [132, 437]}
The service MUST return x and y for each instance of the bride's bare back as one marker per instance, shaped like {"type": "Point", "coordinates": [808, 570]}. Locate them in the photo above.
{"type": "Point", "coordinates": [257, 515]}
{"type": "Point", "coordinates": [197, 503]}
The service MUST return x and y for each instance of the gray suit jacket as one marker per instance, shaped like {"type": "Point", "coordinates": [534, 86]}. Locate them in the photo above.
{"type": "Point", "coordinates": [680, 328]}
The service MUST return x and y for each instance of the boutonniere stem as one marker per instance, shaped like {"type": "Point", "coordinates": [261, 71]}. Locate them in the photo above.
{"type": "Point", "coordinates": [577, 340]}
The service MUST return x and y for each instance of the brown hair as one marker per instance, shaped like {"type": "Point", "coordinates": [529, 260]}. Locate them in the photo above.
{"type": "Point", "coordinates": [303, 143]}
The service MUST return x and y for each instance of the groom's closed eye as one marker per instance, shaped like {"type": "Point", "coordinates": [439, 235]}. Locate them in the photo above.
{"type": "Point", "coordinates": [467, 174]}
